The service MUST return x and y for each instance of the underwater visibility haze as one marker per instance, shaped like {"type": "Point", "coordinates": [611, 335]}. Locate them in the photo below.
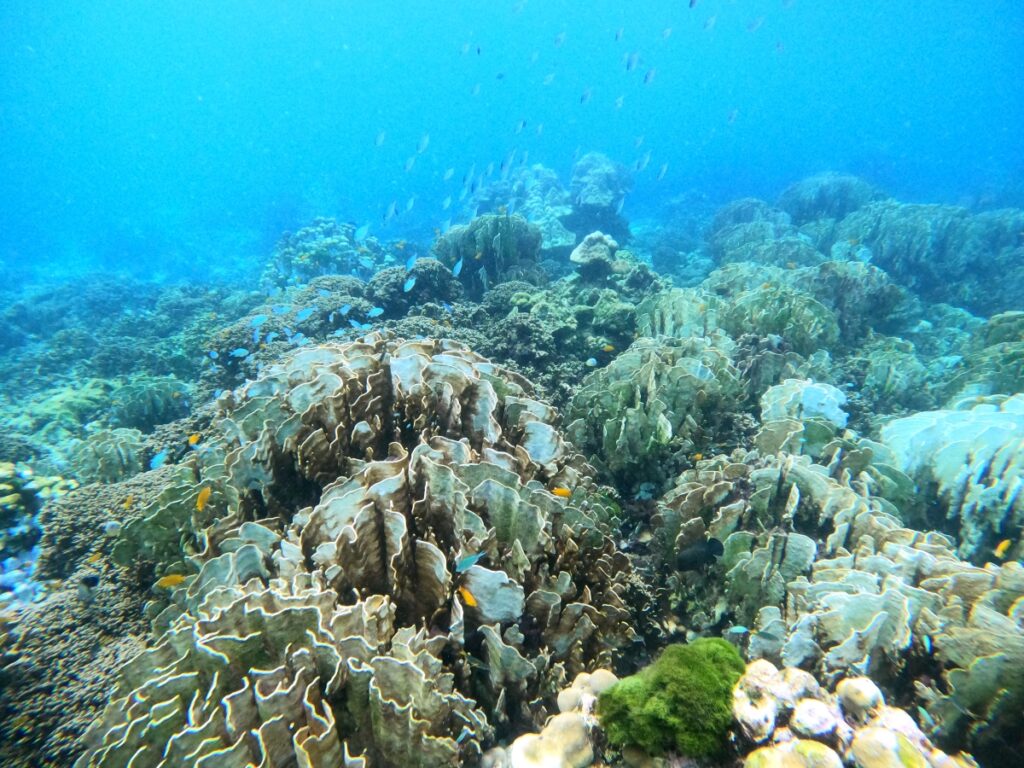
{"type": "Point", "coordinates": [512, 383]}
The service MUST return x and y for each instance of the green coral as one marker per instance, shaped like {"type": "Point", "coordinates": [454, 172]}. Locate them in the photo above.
{"type": "Point", "coordinates": [653, 404]}
{"type": "Point", "coordinates": [680, 703]}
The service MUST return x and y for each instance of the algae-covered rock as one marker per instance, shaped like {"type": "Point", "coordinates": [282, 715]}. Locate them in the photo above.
{"type": "Point", "coordinates": [680, 703]}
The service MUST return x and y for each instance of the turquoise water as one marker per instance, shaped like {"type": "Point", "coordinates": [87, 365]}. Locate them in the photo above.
{"type": "Point", "coordinates": [155, 136]}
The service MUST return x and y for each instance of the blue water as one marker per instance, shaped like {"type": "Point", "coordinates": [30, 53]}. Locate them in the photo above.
{"type": "Point", "coordinates": [179, 139]}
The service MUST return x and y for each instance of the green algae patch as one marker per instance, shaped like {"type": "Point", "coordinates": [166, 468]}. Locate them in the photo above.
{"type": "Point", "coordinates": [680, 703]}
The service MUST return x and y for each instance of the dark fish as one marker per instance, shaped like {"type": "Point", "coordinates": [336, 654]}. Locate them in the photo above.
{"type": "Point", "coordinates": [91, 581]}
{"type": "Point", "coordinates": [698, 555]}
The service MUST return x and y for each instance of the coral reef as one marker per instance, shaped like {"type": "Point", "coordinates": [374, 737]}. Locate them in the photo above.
{"type": "Point", "coordinates": [372, 532]}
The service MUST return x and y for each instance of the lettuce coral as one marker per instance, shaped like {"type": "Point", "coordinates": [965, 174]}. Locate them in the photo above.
{"type": "Point", "coordinates": [381, 558]}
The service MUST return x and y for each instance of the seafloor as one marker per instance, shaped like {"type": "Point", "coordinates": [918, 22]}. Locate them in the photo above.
{"type": "Point", "coordinates": [382, 504]}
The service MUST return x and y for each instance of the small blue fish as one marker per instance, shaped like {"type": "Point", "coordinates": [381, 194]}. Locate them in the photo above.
{"type": "Point", "coordinates": [457, 269]}
{"type": "Point", "coordinates": [355, 323]}
{"type": "Point", "coordinates": [409, 283]}
{"type": "Point", "coordinates": [213, 354]}
{"type": "Point", "coordinates": [158, 460]}
{"type": "Point", "coordinates": [362, 232]}
{"type": "Point", "coordinates": [281, 309]}
{"type": "Point", "coordinates": [255, 335]}
{"type": "Point", "coordinates": [366, 262]}
{"type": "Point", "coordinates": [465, 563]}
{"type": "Point", "coordinates": [258, 320]}
{"type": "Point", "coordinates": [446, 307]}
{"type": "Point", "coordinates": [240, 352]}
{"type": "Point", "coordinates": [591, 362]}
{"type": "Point", "coordinates": [410, 262]}
{"type": "Point", "coordinates": [271, 336]}
{"type": "Point", "coordinates": [304, 314]}
{"type": "Point", "coordinates": [345, 309]}
{"type": "Point", "coordinates": [375, 312]}
{"type": "Point", "coordinates": [323, 292]}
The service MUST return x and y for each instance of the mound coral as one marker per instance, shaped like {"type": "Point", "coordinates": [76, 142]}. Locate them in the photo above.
{"type": "Point", "coordinates": [812, 728]}
{"type": "Point", "coordinates": [491, 249]}
{"type": "Point", "coordinates": [324, 247]}
{"type": "Point", "coordinates": [944, 253]}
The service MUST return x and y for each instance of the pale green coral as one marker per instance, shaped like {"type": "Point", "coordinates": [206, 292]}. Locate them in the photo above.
{"type": "Point", "coordinates": [107, 455]}
{"type": "Point", "coordinates": [652, 404]}
{"type": "Point", "coordinates": [973, 456]}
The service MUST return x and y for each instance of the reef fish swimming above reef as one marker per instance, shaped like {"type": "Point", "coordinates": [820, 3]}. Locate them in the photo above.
{"type": "Point", "coordinates": [698, 555]}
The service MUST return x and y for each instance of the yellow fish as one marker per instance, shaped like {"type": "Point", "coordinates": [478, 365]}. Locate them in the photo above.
{"type": "Point", "coordinates": [128, 501]}
{"type": "Point", "coordinates": [94, 558]}
{"type": "Point", "coordinates": [170, 581]}
{"type": "Point", "coordinates": [194, 438]}
{"type": "Point", "coordinates": [561, 492]}
{"type": "Point", "coordinates": [203, 497]}
{"type": "Point", "coordinates": [608, 348]}
{"type": "Point", "coordinates": [1002, 548]}
{"type": "Point", "coordinates": [698, 456]}
{"type": "Point", "coordinates": [467, 597]}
